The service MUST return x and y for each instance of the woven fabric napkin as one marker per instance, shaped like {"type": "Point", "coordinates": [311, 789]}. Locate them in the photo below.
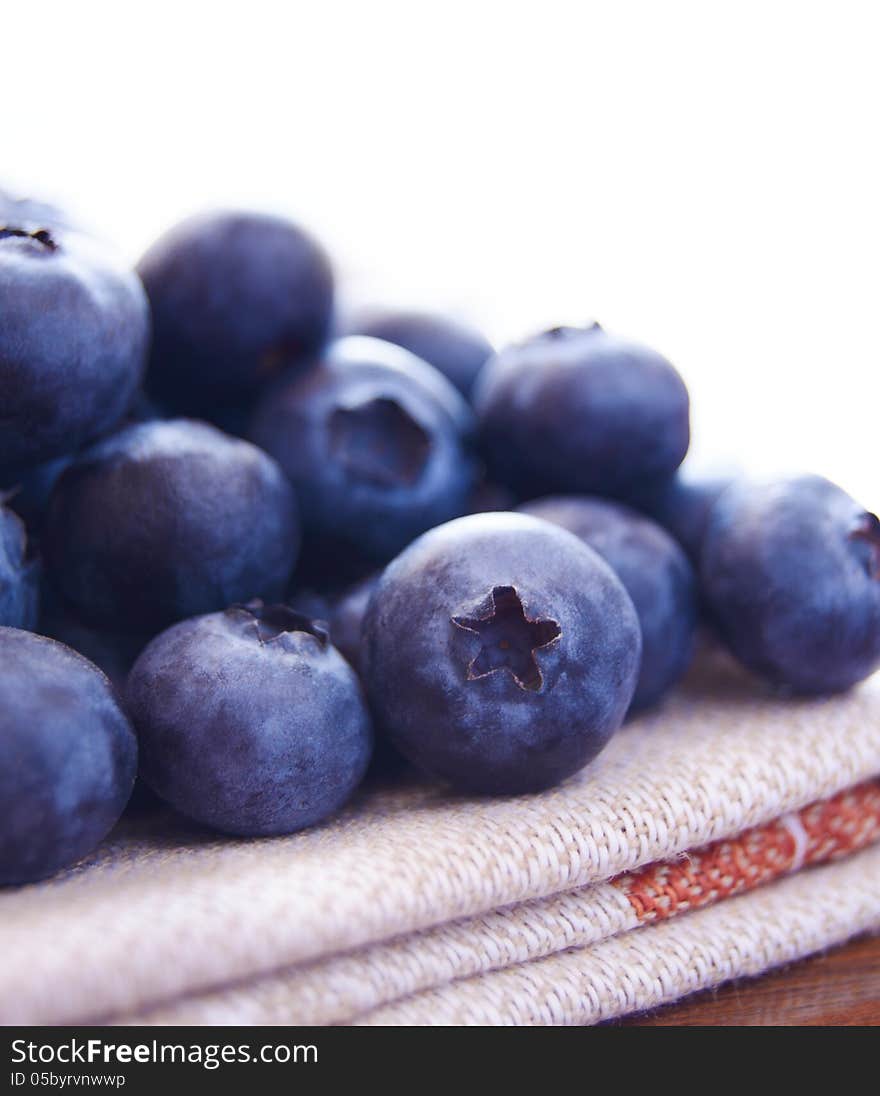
{"type": "Point", "coordinates": [643, 968]}
{"type": "Point", "coordinates": [418, 906]}
{"type": "Point", "coordinates": [355, 986]}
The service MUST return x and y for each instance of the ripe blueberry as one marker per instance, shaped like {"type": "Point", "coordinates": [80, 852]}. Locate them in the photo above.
{"type": "Point", "coordinates": [791, 573]}
{"type": "Point", "coordinates": [579, 410]}
{"type": "Point", "coordinates": [682, 503]}
{"type": "Point", "coordinates": [500, 653]}
{"type": "Point", "coordinates": [249, 720]}
{"type": "Point", "coordinates": [655, 572]}
{"type": "Point", "coordinates": [236, 297]}
{"type": "Point", "coordinates": [347, 617]}
{"type": "Point", "coordinates": [376, 444]}
{"type": "Point", "coordinates": [73, 343]}
{"type": "Point", "coordinates": [67, 757]}
{"type": "Point", "coordinates": [165, 520]}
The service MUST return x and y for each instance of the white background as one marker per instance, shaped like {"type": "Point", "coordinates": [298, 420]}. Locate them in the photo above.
{"type": "Point", "coordinates": [702, 176]}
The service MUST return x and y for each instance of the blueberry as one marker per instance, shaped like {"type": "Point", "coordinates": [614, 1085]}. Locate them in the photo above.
{"type": "Point", "coordinates": [347, 617]}
{"type": "Point", "coordinates": [30, 492]}
{"type": "Point", "coordinates": [346, 630]}
{"type": "Point", "coordinates": [165, 520]}
{"type": "Point", "coordinates": [655, 572]}
{"type": "Point", "coordinates": [791, 572]}
{"type": "Point", "coordinates": [249, 720]}
{"type": "Point", "coordinates": [500, 653]}
{"type": "Point", "coordinates": [19, 574]}
{"type": "Point", "coordinates": [73, 343]}
{"type": "Point", "coordinates": [579, 410]}
{"type": "Point", "coordinates": [376, 443]}
{"type": "Point", "coordinates": [67, 757]}
{"type": "Point", "coordinates": [682, 503]}
{"type": "Point", "coordinates": [236, 296]}
{"type": "Point", "coordinates": [459, 352]}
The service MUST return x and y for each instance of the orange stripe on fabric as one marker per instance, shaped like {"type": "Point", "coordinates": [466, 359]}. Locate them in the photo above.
{"type": "Point", "coordinates": [827, 830]}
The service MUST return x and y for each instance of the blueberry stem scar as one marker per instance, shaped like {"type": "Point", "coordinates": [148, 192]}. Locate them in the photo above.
{"type": "Point", "coordinates": [272, 622]}
{"type": "Point", "coordinates": [510, 639]}
{"type": "Point", "coordinates": [42, 236]}
{"type": "Point", "coordinates": [380, 442]}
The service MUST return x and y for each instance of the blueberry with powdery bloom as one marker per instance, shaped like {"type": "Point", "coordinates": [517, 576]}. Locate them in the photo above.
{"type": "Point", "coordinates": [377, 445]}
{"type": "Point", "coordinates": [249, 720]}
{"type": "Point", "coordinates": [683, 503]}
{"type": "Point", "coordinates": [236, 297]}
{"type": "Point", "coordinates": [168, 519]}
{"type": "Point", "coordinates": [347, 618]}
{"type": "Point", "coordinates": [67, 757]}
{"type": "Point", "coordinates": [73, 342]}
{"type": "Point", "coordinates": [791, 572]}
{"type": "Point", "coordinates": [29, 493]}
{"type": "Point", "coordinates": [580, 410]}
{"type": "Point", "coordinates": [19, 574]}
{"type": "Point", "coordinates": [500, 653]}
{"type": "Point", "coordinates": [655, 572]}
{"type": "Point", "coordinates": [456, 350]}
{"type": "Point", "coordinates": [346, 621]}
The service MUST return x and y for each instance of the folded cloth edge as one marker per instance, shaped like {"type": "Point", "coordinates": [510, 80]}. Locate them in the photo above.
{"type": "Point", "coordinates": [151, 920]}
{"type": "Point", "coordinates": [645, 968]}
{"type": "Point", "coordinates": [338, 989]}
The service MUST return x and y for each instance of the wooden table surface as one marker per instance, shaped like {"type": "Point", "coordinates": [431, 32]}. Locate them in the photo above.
{"type": "Point", "coordinates": [840, 988]}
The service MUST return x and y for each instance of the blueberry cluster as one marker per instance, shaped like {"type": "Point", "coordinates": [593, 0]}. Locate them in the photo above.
{"type": "Point", "coordinates": [247, 547]}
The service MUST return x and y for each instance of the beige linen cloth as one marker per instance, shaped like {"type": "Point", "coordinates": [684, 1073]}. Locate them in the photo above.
{"type": "Point", "coordinates": [416, 906]}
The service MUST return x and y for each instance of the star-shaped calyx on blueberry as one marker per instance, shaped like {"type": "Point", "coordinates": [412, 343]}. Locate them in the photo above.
{"type": "Point", "coordinates": [41, 235]}
{"type": "Point", "coordinates": [278, 624]}
{"type": "Point", "coordinates": [509, 639]}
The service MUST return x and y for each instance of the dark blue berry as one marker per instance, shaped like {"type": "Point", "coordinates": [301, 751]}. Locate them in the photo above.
{"type": "Point", "coordinates": [500, 653]}
{"type": "Point", "coordinates": [579, 410]}
{"type": "Point", "coordinates": [376, 443]}
{"type": "Point", "coordinates": [459, 352]}
{"type": "Point", "coordinates": [249, 721]}
{"type": "Point", "coordinates": [67, 757]}
{"type": "Point", "coordinates": [73, 343]}
{"type": "Point", "coordinates": [791, 572]}
{"type": "Point", "coordinates": [236, 297]}
{"type": "Point", "coordinates": [655, 572]}
{"type": "Point", "coordinates": [165, 520]}
{"type": "Point", "coordinates": [346, 630]}
{"type": "Point", "coordinates": [682, 503]}
{"type": "Point", "coordinates": [347, 617]}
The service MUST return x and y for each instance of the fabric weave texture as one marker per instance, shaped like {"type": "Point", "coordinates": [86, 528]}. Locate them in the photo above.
{"type": "Point", "coordinates": [730, 814]}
